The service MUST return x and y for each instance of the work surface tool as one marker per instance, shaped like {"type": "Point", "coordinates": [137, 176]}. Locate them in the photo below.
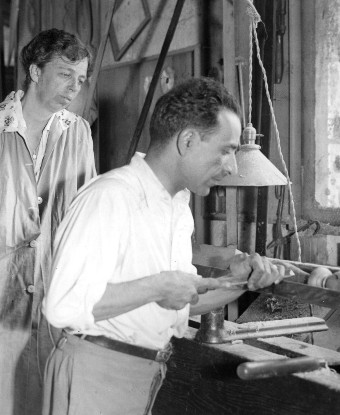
{"type": "Point", "coordinates": [214, 328]}
{"type": "Point", "coordinates": [293, 287]}
{"type": "Point", "coordinates": [212, 262]}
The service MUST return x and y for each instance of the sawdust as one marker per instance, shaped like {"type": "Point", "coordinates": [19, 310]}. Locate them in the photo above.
{"type": "Point", "coordinates": [275, 308]}
{"type": "Point", "coordinates": [326, 374]}
{"type": "Point", "coordinates": [268, 308]}
{"type": "Point", "coordinates": [271, 307]}
{"type": "Point", "coordinates": [231, 332]}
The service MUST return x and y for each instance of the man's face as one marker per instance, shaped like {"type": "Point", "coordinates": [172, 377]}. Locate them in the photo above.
{"type": "Point", "coordinates": [59, 82]}
{"type": "Point", "coordinates": [213, 157]}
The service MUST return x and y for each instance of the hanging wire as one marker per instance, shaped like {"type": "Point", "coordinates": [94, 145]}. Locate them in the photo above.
{"type": "Point", "coordinates": [250, 71]}
{"type": "Point", "coordinates": [254, 20]}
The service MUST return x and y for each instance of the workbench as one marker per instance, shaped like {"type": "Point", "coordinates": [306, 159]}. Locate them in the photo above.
{"type": "Point", "coordinates": [202, 377]}
{"type": "Point", "coordinates": [202, 380]}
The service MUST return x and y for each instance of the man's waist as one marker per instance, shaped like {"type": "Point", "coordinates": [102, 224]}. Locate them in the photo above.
{"type": "Point", "coordinates": [161, 355]}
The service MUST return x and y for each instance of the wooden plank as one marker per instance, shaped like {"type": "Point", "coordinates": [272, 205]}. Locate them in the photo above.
{"type": "Point", "coordinates": [229, 46]}
{"type": "Point", "coordinates": [295, 348]}
{"type": "Point", "coordinates": [118, 114]}
{"type": "Point", "coordinates": [295, 107]}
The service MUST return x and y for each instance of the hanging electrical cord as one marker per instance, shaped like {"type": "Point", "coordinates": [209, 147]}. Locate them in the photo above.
{"type": "Point", "coordinates": [255, 19]}
{"type": "Point", "coordinates": [250, 69]}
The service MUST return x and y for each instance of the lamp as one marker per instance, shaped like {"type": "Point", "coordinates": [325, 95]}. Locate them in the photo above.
{"type": "Point", "coordinates": [254, 169]}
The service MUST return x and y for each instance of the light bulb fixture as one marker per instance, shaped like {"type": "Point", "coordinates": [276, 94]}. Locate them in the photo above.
{"type": "Point", "coordinates": [254, 169]}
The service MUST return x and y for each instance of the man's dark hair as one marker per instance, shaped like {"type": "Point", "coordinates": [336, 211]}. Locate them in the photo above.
{"type": "Point", "coordinates": [192, 103]}
{"type": "Point", "coordinates": [50, 44]}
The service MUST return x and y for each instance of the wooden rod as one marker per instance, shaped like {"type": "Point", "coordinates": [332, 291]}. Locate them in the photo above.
{"type": "Point", "coordinates": [304, 266]}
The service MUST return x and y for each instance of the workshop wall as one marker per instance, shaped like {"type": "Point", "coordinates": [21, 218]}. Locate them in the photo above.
{"type": "Point", "coordinates": [124, 80]}
{"type": "Point", "coordinates": [148, 43]}
{"type": "Point", "coordinates": [80, 17]}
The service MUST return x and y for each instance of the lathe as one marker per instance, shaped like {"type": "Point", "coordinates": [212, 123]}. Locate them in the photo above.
{"type": "Point", "coordinates": [224, 367]}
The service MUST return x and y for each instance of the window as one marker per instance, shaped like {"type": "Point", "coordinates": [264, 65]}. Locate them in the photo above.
{"type": "Point", "coordinates": [320, 108]}
{"type": "Point", "coordinates": [327, 104]}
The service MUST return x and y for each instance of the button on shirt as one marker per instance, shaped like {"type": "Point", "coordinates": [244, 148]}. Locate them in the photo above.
{"type": "Point", "coordinates": [122, 226]}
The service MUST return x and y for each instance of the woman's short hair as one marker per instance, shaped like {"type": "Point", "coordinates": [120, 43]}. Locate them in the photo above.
{"type": "Point", "coordinates": [49, 44]}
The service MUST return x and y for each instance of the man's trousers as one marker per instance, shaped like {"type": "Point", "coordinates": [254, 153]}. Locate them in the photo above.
{"type": "Point", "coordinates": [82, 378]}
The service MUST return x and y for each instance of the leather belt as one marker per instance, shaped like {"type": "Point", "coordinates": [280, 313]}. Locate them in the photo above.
{"type": "Point", "coordinates": [131, 349]}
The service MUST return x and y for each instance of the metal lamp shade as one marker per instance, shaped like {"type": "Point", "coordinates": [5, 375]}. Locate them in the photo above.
{"type": "Point", "coordinates": [254, 169]}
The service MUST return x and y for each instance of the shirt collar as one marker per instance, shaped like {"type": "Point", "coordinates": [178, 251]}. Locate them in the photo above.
{"type": "Point", "coordinates": [66, 118]}
{"type": "Point", "coordinates": [152, 187]}
{"type": "Point", "coordinates": [12, 120]}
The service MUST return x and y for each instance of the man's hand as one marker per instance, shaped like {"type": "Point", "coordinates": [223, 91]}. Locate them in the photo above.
{"type": "Point", "coordinates": [264, 272]}
{"type": "Point", "coordinates": [259, 272]}
{"type": "Point", "coordinates": [176, 288]}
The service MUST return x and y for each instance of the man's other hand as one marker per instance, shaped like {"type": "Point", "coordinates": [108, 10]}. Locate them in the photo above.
{"type": "Point", "coordinates": [259, 271]}
{"type": "Point", "coordinates": [177, 288]}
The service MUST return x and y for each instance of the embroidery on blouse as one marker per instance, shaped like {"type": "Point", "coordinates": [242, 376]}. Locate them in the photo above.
{"type": "Point", "coordinates": [10, 114]}
{"type": "Point", "coordinates": [11, 118]}
{"type": "Point", "coordinates": [66, 118]}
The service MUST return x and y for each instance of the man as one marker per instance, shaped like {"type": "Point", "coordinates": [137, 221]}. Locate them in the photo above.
{"type": "Point", "coordinates": [122, 280]}
{"type": "Point", "coordinates": [46, 154]}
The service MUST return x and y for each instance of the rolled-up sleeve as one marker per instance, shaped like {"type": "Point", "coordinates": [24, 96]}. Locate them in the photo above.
{"type": "Point", "coordinates": [87, 246]}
